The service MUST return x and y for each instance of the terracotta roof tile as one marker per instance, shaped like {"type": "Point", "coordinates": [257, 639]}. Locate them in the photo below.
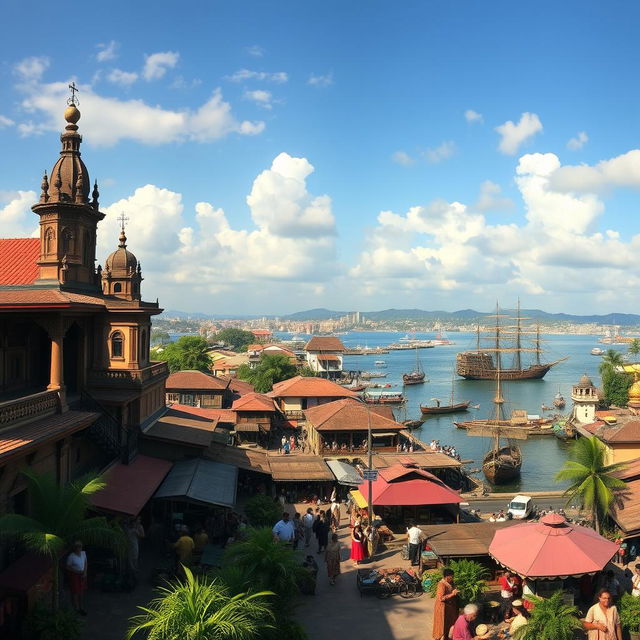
{"type": "Point", "coordinates": [308, 468]}
{"type": "Point", "coordinates": [46, 297]}
{"type": "Point", "coordinates": [254, 402]}
{"type": "Point", "coordinates": [309, 388]}
{"type": "Point", "coordinates": [627, 512]}
{"type": "Point", "coordinates": [180, 424]}
{"type": "Point", "coordinates": [239, 387]}
{"type": "Point", "coordinates": [324, 343]}
{"type": "Point", "coordinates": [348, 415]}
{"type": "Point", "coordinates": [18, 258]}
{"type": "Point", "coordinates": [196, 380]}
{"type": "Point", "coordinates": [630, 471]}
{"type": "Point", "coordinates": [19, 440]}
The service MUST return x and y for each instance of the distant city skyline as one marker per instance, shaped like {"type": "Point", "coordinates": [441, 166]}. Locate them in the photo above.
{"type": "Point", "coordinates": [273, 157]}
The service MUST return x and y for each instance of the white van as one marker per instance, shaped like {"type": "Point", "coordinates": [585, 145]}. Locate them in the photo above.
{"type": "Point", "coordinates": [521, 507]}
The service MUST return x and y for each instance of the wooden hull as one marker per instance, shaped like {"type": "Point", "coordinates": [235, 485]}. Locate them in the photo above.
{"type": "Point", "coordinates": [535, 372]}
{"type": "Point", "coordinates": [412, 424]}
{"type": "Point", "coordinates": [503, 465]}
{"type": "Point", "coordinates": [413, 378]}
{"type": "Point", "coordinates": [445, 408]}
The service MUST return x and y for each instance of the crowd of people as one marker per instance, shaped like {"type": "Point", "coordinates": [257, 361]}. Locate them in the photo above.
{"type": "Point", "coordinates": [449, 450]}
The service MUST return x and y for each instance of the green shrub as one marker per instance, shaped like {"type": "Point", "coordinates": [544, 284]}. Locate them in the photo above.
{"type": "Point", "coordinates": [44, 624]}
{"type": "Point", "coordinates": [630, 613]}
{"type": "Point", "coordinates": [551, 619]}
{"type": "Point", "coordinates": [262, 511]}
{"type": "Point", "coordinates": [469, 577]}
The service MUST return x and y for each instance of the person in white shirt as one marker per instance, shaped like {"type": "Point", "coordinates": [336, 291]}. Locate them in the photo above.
{"type": "Point", "coordinates": [77, 575]}
{"type": "Point", "coordinates": [284, 530]}
{"type": "Point", "coordinates": [307, 520]}
{"type": "Point", "coordinates": [414, 538]}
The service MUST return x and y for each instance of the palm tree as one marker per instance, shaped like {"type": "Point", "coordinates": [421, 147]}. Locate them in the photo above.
{"type": "Point", "coordinates": [268, 564]}
{"type": "Point", "coordinates": [611, 360]}
{"type": "Point", "coordinates": [58, 518]}
{"type": "Point", "coordinates": [201, 608]}
{"type": "Point", "coordinates": [634, 347]}
{"type": "Point", "coordinates": [551, 619]}
{"type": "Point", "coordinates": [592, 482]}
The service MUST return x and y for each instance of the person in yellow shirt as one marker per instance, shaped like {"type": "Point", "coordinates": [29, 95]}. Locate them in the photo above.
{"type": "Point", "coordinates": [184, 547]}
{"type": "Point", "coordinates": [201, 540]}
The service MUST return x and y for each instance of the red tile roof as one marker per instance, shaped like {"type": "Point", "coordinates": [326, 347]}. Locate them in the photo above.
{"type": "Point", "coordinates": [328, 357]}
{"type": "Point", "coordinates": [348, 415]}
{"type": "Point", "coordinates": [19, 440]}
{"type": "Point", "coordinates": [626, 512]}
{"type": "Point", "coordinates": [18, 258]}
{"type": "Point", "coordinates": [182, 425]}
{"type": "Point", "coordinates": [45, 297]}
{"type": "Point", "coordinates": [261, 332]}
{"type": "Point", "coordinates": [300, 387]}
{"type": "Point", "coordinates": [196, 380]}
{"type": "Point", "coordinates": [254, 402]}
{"type": "Point", "coordinates": [239, 387]}
{"type": "Point", "coordinates": [324, 343]}
{"type": "Point", "coordinates": [630, 471]}
{"type": "Point", "coordinates": [130, 486]}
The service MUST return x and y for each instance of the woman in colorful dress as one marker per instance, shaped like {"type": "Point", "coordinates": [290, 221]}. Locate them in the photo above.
{"type": "Point", "coordinates": [332, 558]}
{"type": "Point", "coordinates": [445, 610]}
{"type": "Point", "coordinates": [358, 541]}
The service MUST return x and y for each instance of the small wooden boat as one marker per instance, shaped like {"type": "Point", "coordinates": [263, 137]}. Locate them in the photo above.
{"type": "Point", "coordinates": [384, 397]}
{"type": "Point", "coordinates": [412, 424]}
{"type": "Point", "coordinates": [558, 401]}
{"type": "Point", "coordinates": [444, 408]}
{"type": "Point", "coordinates": [416, 376]}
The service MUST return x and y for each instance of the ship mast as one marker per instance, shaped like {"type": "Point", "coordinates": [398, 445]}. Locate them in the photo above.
{"type": "Point", "coordinates": [498, 356]}
{"type": "Point", "coordinates": [518, 361]}
{"type": "Point", "coordinates": [538, 343]}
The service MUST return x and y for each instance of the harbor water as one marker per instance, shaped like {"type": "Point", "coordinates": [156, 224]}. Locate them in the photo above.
{"type": "Point", "coordinates": [543, 456]}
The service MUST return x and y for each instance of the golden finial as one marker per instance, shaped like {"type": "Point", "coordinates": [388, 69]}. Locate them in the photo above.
{"type": "Point", "coordinates": [72, 113]}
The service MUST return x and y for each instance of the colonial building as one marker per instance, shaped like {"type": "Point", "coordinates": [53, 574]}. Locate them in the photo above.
{"type": "Point", "coordinates": [198, 389]}
{"type": "Point", "coordinates": [254, 417]}
{"type": "Point", "coordinates": [324, 355]}
{"type": "Point", "coordinates": [76, 381]}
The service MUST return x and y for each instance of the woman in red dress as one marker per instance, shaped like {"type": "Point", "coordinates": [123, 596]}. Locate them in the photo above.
{"type": "Point", "coordinates": [358, 542]}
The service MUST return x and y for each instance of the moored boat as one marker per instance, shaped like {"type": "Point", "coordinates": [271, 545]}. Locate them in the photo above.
{"type": "Point", "coordinates": [384, 397]}
{"type": "Point", "coordinates": [416, 376]}
{"type": "Point", "coordinates": [444, 408]}
{"type": "Point", "coordinates": [559, 401]}
{"type": "Point", "coordinates": [597, 351]}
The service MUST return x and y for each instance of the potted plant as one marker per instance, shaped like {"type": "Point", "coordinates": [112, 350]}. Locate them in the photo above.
{"type": "Point", "coordinates": [630, 615]}
{"type": "Point", "coordinates": [469, 577]}
{"type": "Point", "coordinates": [551, 619]}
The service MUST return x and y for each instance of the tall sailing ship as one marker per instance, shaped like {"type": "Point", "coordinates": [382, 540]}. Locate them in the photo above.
{"type": "Point", "coordinates": [416, 376]}
{"type": "Point", "coordinates": [494, 345]}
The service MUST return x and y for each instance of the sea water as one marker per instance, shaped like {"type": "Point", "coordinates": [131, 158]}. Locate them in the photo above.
{"type": "Point", "coordinates": [543, 456]}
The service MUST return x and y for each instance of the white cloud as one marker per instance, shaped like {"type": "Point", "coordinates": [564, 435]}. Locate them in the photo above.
{"type": "Point", "coordinates": [106, 120]}
{"type": "Point", "coordinates": [30, 70]}
{"type": "Point", "coordinates": [621, 171]}
{"type": "Point", "coordinates": [255, 50]}
{"type": "Point", "coordinates": [16, 218]}
{"type": "Point", "coordinates": [280, 77]}
{"type": "Point", "coordinates": [490, 198]}
{"type": "Point", "coordinates": [402, 158]}
{"type": "Point", "coordinates": [320, 81]}
{"type": "Point", "coordinates": [441, 152]}
{"type": "Point", "coordinates": [107, 51]}
{"type": "Point", "coordinates": [472, 116]}
{"type": "Point", "coordinates": [156, 64]}
{"type": "Point", "coordinates": [575, 144]}
{"type": "Point", "coordinates": [5, 122]}
{"type": "Point", "coordinates": [261, 97]}
{"type": "Point", "coordinates": [123, 78]}
{"type": "Point", "coordinates": [512, 136]}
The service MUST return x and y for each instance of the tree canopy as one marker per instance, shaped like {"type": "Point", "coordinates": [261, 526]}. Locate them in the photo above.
{"type": "Point", "coordinates": [634, 347]}
{"type": "Point", "coordinates": [272, 368]}
{"type": "Point", "coordinates": [615, 383]}
{"type": "Point", "coordinates": [188, 352]}
{"type": "Point", "coordinates": [235, 339]}
{"type": "Point", "coordinates": [591, 479]}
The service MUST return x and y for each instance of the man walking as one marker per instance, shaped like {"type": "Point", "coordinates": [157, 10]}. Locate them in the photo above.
{"type": "Point", "coordinates": [284, 530]}
{"type": "Point", "coordinates": [414, 538]}
{"type": "Point", "coordinates": [307, 520]}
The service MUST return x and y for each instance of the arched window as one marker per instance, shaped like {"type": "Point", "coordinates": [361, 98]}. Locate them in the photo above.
{"type": "Point", "coordinates": [117, 345]}
{"type": "Point", "coordinates": [117, 287]}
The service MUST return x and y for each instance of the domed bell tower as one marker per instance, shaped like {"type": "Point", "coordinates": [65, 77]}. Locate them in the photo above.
{"type": "Point", "coordinates": [585, 400]}
{"type": "Point", "coordinates": [122, 273]}
{"type": "Point", "coordinates": [68, 216]}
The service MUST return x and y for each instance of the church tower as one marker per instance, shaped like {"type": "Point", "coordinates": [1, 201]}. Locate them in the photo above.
{"type": "Point", "coordinates": [122, 273]}
{"type": "Point", "coordinates": [68, 217]}
{"type": "Point", "coordinates": [585, 400]}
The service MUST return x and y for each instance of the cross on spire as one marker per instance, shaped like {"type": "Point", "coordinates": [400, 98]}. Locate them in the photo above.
{"type": "Point", "coordinates": [73, 100]}
{"type": "Point", "coordinates": [122, 219]}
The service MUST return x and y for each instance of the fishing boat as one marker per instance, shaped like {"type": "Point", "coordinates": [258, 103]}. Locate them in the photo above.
{"type": "Point", "coordinates": [483, 362]}
{"type": "Point", "coordinates": [416, 376]}
{"type": "Point", "coordinates": [412, 424]}
{"type": "Point", "coordinates": [564, 429]}
{"type": "Point", "coordinates": [368, 375]}
{"type": "Point", "coordinates": [597, 351]}
{"type": "Point", "coordinates": [384, 397]}
{"type": "Point", "coordinates": [503, 461]}
{"type": "Point", "coordinates": [439, 408]}
{"type": "Point", "coordinates": [559, 401]}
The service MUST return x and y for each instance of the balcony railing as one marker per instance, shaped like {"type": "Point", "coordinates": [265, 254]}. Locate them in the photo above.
{"type": "Point", "coordinates": [28, 408]}
{"type": "Point", "coordinates": [128, 377]}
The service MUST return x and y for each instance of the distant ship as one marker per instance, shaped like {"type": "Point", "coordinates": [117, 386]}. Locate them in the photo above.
{"type": "Point", "coordinates": [416, 376]}
{"type": "Point", "coordinates": [483, 363]}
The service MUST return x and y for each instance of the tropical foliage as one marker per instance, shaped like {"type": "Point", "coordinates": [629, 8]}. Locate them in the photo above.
{"type": "Point", "coordinates": [203, 608]}
{"type": "Point", "coordinates": [615, 383]}
{"type": "Point", "coordinates": [591, 481]}
{"type": "Point", "coordinates": [629, 610]}
{"type": "Point", "coordinates": [235, 339]}
{"type": "Point", "coordinates": [469, 577]}
{"type": "Point", "coordinates": [43, 624]}
{"type": "Point", "coordinates": [58, 518]}
{"type": "Point", "coordinates": [551, 619]}
{"type": "Point", "coordinates": [262, 511]}
{"type": "Point", "coordinates": [272, 368]}
{"type": "Point", "coordinates": [188, 352]}
{"type": "Point", "coordinates": [634, 347]}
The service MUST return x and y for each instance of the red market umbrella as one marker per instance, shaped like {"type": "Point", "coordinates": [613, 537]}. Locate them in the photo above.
{"type": "Point", "coordinates": [551, 548]}
{"type": "Point", "coordinates": [401, 485]}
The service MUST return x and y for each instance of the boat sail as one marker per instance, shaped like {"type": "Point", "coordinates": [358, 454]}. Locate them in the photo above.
{"type": "Point", "coordinates": [503, 461]}
{"type": "Point", "coordinates": [483, 363]}
{"type": "Point", "coordinates": [416, 376]}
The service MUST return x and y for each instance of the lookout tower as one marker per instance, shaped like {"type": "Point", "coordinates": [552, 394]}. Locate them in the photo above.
{"type": "Point", "coordinates": [585, 399]}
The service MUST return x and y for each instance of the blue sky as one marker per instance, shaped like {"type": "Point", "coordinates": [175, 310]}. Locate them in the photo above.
{"type": "Point", "coordinates": [274, 156]}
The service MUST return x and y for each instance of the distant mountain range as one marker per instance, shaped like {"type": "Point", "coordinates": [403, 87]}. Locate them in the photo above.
{"type": "Point", "coordinates": [463, 315]}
